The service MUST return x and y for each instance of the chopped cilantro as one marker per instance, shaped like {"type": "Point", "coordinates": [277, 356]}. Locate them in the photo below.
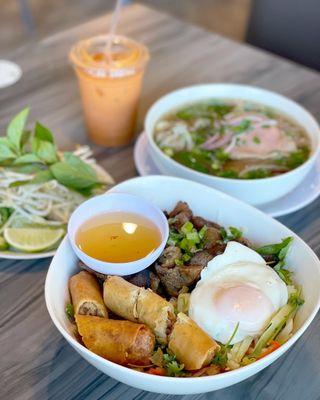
{"type": "Point", "coordinates": [172, 366]}
{"type": "Point", "coordinates": [256, 140]}
{"type": "Point", "coordinates": [70, 312]}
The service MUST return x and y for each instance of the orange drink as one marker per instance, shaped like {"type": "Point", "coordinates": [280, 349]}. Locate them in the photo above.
{"type": "Point", "coordinates": [110, 86]}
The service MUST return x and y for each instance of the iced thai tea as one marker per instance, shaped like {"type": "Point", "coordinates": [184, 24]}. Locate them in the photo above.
{"type": "Point", "coordinates": [110, 86]}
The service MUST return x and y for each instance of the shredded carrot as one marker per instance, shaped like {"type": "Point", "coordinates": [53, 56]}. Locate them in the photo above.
{"type": "Point", "coordinates": [157, 371]}
{"type": "Point", "coordinates": [274, 345]}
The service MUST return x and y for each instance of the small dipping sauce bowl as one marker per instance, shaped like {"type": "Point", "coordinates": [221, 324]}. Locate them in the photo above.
{"type": "Point", "coordinates": [115, 203]}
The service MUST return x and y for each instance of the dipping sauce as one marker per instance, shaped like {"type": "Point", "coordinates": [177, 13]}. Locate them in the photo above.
{"type": "Point", "coordinates": [118, 237]}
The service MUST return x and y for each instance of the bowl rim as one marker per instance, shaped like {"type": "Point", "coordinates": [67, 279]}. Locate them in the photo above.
{"type": "Point", "coordinates": [112, 265]}
{"type": "Point", "coordinates": [252, 368]}
{"type": "Point", "coordinates": [150, 134]}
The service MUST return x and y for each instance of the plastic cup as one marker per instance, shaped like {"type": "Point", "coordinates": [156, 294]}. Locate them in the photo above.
{"type": "Point", "coordinates": [110, 86]}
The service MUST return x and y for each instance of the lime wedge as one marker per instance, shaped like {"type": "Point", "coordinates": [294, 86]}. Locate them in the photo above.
{"type": "Point", "coordinates": [32, 239]}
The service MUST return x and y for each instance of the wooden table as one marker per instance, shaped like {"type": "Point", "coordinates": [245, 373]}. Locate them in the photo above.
{"type": "Point", "coordinates": [35, 361]}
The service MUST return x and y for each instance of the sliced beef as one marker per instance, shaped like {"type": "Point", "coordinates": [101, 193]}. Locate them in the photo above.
{"type": "Point", "coordinates": [154, 282]}
{"type": "Point", "coordinates": [244, 241]}
{"type": "Point", "coordinates": [169, 255]}
{"type": "Point", "coordinates": [173, 279]}
{"type": "Point", "coordinates": [84, 267]}
{"type": "Point", "coordinates": [201, 258]}
{"type": "Point", "coordinates": [211, 237]}
{"type": "Point", "coordinates": [180, 207]}
{"type": "Point", "coordinates": [199, 222]}
{"type": "Point", "coordinates": [141, 278]}
{"type": "Point", "coordinates": [180, 214]}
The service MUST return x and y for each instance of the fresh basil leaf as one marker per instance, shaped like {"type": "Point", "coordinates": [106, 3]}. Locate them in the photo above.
{"type": "Point", "coordinates": [6, 142]}
{"type": "Point", "coordinates": [40, 177]}
{"type": "Point", "coordinates": [43, 133]}
{"type": "Point", "coordinates": [45, 150]}
{"type": "Point", "coordinates": [6, 153]}
{"type": "Point", "coordinates": [82, 166]}
{"type": "Point", "coordinates": [74, 173]}
{"type": "Point", "coordinates": [27, 159]}
{"type": "Point", "coordinates": [16, 127]}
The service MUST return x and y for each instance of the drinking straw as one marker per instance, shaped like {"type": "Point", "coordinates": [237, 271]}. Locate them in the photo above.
{"type": "Point", "coordinates": [114, 23]}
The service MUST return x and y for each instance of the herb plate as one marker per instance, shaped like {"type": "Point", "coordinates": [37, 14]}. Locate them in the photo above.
{"type": "Point", "coordinates": [301, 196]}
{"type": "Point", "coordinates": [18, 255]}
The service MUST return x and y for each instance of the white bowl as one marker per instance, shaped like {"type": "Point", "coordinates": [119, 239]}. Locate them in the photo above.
{"type": "Point", "coordinates": [252, 191]}
{"type": "Point", "coordinates": [225, 210]}
{"type": "Point", "coordinates": [115, 202]}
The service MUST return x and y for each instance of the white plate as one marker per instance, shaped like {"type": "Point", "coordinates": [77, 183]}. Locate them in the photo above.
{"type": "Point", "coordinates": [214, 205]}
{"type": "Point", "coordinates": [12, 255]}
{"type": "Point", "coordinates": [304, 194]}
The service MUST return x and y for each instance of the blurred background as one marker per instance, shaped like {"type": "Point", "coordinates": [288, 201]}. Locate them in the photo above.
{"type": "Point", "coordinates": [289, 28]}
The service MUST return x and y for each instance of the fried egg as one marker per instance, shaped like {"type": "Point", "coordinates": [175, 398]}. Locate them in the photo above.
{"type": "Point", "coordinates": [236, 288]}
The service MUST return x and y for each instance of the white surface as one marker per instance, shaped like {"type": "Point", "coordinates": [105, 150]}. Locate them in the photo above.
{"type": "Point", "coordinates": [209, 203]}
{"type": "Point", "coordinates": [305, 193]}
{"type": "Point", "coordinates": [10, 73]}
{"type": "Point", "coordinates": [252, 191]}
{"type": "Point", "coordinates": [115, 202]}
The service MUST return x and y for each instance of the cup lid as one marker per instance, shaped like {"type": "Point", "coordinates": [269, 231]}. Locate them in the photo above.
{"type": "Point", "coordinates": [125, 56]}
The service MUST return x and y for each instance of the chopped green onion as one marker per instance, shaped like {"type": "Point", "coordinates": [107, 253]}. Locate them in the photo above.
{"type": "Point", "coordinates": [186, 227]}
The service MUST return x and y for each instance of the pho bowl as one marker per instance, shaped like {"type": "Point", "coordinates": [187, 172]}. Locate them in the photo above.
{"type": "Point", "coordinates": [252, 191]}
{"type": "Point", "coordinates": [225, 210]}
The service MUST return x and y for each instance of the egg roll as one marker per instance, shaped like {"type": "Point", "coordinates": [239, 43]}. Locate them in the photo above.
{"type": "Point", "coordinates": [191, 345]}
{"type": "Point", "coordinates": [139, 305]}
{"type": "Point", "coordinates": [156, 312]}
{"type": "Point", "coordinates": [120, 296]}
{"type": "Point", "coordinates": [86, 295]}
{"type": "Point", "coordinates": [123, 342]}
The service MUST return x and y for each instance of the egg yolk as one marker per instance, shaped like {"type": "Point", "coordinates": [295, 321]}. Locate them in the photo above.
{"type": "Point", "coordinates": [243, 303]}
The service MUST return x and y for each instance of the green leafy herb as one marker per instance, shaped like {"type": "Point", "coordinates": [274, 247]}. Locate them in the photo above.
{"type": "Point", "coordinates": [244, 125]}
{"type": "Point", "coordinates": [193, 160]}
{"type": "Point", "coordinates": [6, 154]}
{"type": "Point", "coordinates": [228, 174]}
{"type": "Point", "coordinates": [295, 159]}
{"type": "Point", "coordinates": [256, 140]}
{"type": "Point", "coordinates": [221, 357]}
{"type": "Point", "coordinates": [70, 312]}
{"type": "Point", "coordinates": [279, 250]}
{"type": "Point", "coordinates": [74, 173]}
{"type": "Point", "coordinates": [16, 128]}
{"type": "Point", "coordinates": [257, 173]}
{"type": "Point", "coordinates": [204, 110]}
{"type": "Point", "coordinates": [221, 155]}
{"type": "Point", "coordinates": [43, 133]}
{"type": "Point", "coordinates": [172, 366]}
{"type": "Point", "coordinates": [27, 159]}
{"type": "Point", "coordinates": [274, 249]}
{"type": "Point", "coordinates": [231, 233]}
